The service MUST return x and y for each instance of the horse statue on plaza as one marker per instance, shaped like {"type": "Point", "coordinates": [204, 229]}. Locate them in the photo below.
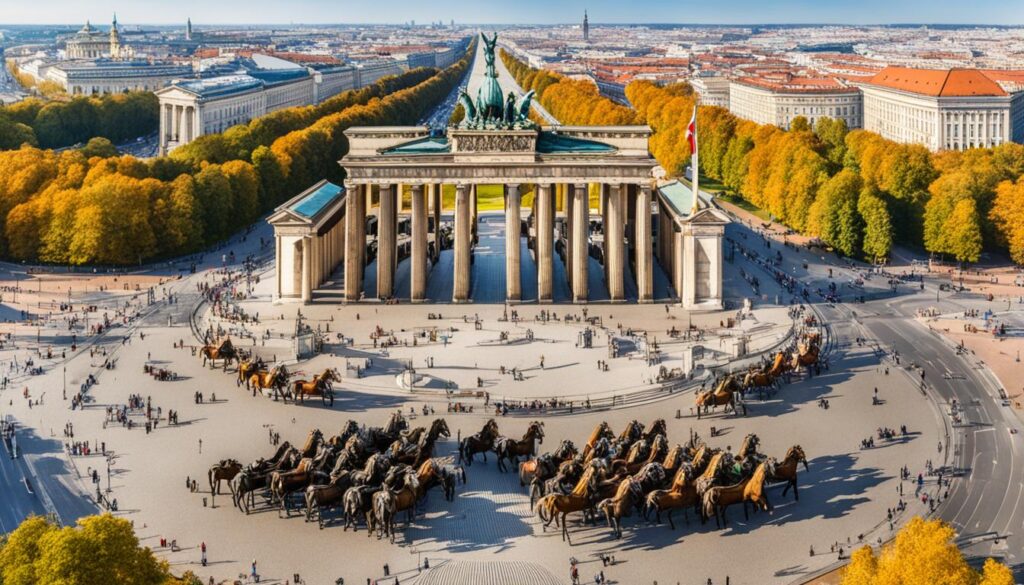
{"type": "Point", "coordinates": [247, 368]}
{"type": "Point", "coordinates": [225, 470]}
{"type": "Point", "coordinates": [511, 449]}
{"type": "Point", "coordinates": [717, 499]}
{"type": "Point", "coordinates": [224, 351]}
{"type": "Point", "coordinates": [786, 470]}
{"type": "Point", "coordinates": [276, 379]}
{"type": "Point", "coordinates": [481, 442]}
{"type": "Point", "coordinates": [724, 394]}
{"type": "Point", "coordinates": [320, 386]}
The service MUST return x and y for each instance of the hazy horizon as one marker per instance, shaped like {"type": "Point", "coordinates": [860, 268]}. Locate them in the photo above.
{"type": "Point", "coordinates": [521, 12]}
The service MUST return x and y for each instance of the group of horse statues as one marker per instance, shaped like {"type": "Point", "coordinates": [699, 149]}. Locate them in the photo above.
{"type": "Point", "coordinates": [638, 471]}
{"type": "Point", "coordinates": [366, 474]}
{"type": "Point", "coordinates": [258, 376]}
{"type": "Point", "coordinates": [728, 390]}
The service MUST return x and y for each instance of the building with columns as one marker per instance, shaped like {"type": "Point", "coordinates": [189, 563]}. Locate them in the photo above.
{"type": "Point", "coordinates": [497, 144]}
{"type": "Point", "coordinates": [946, 109]}
{"type": "Point", "coordinates": [558, 165]}
{"type": "Point", "coordinates": [778, 100]}
{"type": "Point", "coordinates": [102, 76]}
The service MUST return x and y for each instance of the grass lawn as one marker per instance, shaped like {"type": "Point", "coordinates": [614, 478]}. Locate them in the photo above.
{"type": "Point", "coordinates": [730, 196]}
{"type": "Point", "coordinates": [492, 197]}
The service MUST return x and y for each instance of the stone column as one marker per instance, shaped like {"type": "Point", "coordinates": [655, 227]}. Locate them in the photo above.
{"type": "Point", "coordinates": [715, 272]}
{"type": "Point", "coordinates": [474, 212]}
{"type": "Point", "coordinates": [176, 124]}
{"type": "Point", "coordinates": [644, 253]}
{"type": "Point", "coordinates": [580, 244]}
{"type": "Point", "coordinates": [513, 215]}
{"type": "Point", "coordinates": [165, 127]}
{"type": "Point", "coordinates": [386, 242]}
{"type": "Point", "coordinates": [689, 268]}
{"type": "Point", "coordinates": [418, 269]}
{"type": "Point", "coordinates": [545, 235]}
{"type": "Point", "coordinates": [568, 198]}
{"type": "Point", "coordinates": [463, 243]}
{"type": "Point", "coordinates": [678, 264]}
{"type": "Point", "coordinates": [189, 115]}
{"type": "Point", "coordinates": [355, 242]}
{"type": "Point", "coordinates": [438, 205]}
{"type": "Point", "coordinates": [277, 263]}
{"type": "Point", "coordinates": [602, 198]}
{"type": "Point", "coordinates": [307, 269]}
{"type": "Point", "coordinates": [614, 234]}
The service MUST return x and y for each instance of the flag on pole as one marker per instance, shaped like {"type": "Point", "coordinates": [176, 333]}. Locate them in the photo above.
{"type": "Point", "coordinates": [691, 132]}
{"type": "Point", "coordinates": [691, 137]}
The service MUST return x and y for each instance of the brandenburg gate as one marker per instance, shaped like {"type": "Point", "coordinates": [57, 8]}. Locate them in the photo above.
{"type": "Point", "coordinates": [497, 144]}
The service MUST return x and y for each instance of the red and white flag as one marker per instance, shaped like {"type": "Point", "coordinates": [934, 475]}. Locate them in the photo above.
{"type": "Point", "coordinates": [691, 131]}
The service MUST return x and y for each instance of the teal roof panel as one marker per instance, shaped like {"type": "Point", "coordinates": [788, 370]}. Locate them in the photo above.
{"type": "Point", "coordinates": [428, 145]}
{"type": "Point", "coordinates": [317, 200]}
{"type": "Point", "coordinates": [679, 196]}
{"type": "Point", "coordinates": [552, 143]}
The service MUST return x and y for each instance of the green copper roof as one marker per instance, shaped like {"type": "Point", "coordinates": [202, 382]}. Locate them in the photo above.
{"type": "Point", "coordinates": [317, 199]}
{"type": "Point", "coordinates": [679, 196]}
{"type": "Point", "coordinates": [552, 143]}
{"type": "Point", "coordinates": [430, 145]}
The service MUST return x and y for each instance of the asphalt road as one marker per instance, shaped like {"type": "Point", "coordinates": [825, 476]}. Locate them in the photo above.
{"type": "Point", "coordinates": [15, 500]}
{"type": "Point", "coordinates": [986, 493]}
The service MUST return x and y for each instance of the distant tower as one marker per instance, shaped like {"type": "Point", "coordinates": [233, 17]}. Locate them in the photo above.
{"type": "Point", "coordinates": [115, 40]}
{"type": "Point", "coordinates": [586, 27]}
{"type": "Point", "coordinates": [188, 30]}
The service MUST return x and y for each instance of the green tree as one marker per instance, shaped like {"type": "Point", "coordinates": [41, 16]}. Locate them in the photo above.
{"type": "Point", "coordinates": [963, 231]}
{"type": "Point", "coordinates": [877, 225]}
{"type": "Point", "coordinates": [799, 124]}
{"type": "Point", "coordinates": [923, 553]}
{"type": "Point", "coordinates": [14, 134]}
{"type": "Point", "coordinates": [102, 549]}
{"type": "Point", "coordinates": [841, 223]}
{"type": "Point", "coordinates": [100, 147]}
{"type": "Point", "coordinates": [21, 551]}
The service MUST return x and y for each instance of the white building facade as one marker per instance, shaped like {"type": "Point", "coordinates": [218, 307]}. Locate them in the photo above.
{"type": "Point", "coordinates": [779, 105]}
{"type": "Point", "coordinates": [712, 90]}
{"type": "Point", "coordinates": [943, 110]}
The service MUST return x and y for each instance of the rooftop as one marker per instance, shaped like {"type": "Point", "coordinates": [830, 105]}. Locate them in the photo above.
{"type": "Point", "coordinates": [217, 86]}
{"type": "Point", "coordinates": [429, 145]}
{"type": "Point", "coordinates": [317, 198]}
{"type": "Point", "coordinates": [553, 143]}
{"type": "Point", "coordinates": [678, 196]}
{"type": "Point", "coordinates": [939, 82]}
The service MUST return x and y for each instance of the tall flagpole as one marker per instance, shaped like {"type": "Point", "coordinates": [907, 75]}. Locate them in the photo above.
{"type": "Point", "coordinates": [696, 164]}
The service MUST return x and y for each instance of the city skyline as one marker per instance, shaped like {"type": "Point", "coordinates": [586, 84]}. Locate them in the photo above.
{"type": "Point", "coordinates": [742, 12]}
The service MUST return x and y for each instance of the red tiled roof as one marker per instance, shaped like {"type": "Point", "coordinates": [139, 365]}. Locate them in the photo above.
{"type": "Point", "coordinates": [938, 82]}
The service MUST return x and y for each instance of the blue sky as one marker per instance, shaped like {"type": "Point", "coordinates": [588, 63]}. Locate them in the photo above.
{"type": "Point", "coordinates": [513, 11]}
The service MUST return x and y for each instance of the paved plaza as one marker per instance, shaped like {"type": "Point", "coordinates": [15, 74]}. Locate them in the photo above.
{"type": "Point", "coordinates": [489, 533]}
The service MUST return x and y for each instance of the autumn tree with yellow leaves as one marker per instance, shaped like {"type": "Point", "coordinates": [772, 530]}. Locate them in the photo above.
{"type": "Point", "coordinates": [91, 206]}
{"type": "Point", "coordinates": [100, 549]}
{"type": "Point", "coordinates": [923, 553]}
